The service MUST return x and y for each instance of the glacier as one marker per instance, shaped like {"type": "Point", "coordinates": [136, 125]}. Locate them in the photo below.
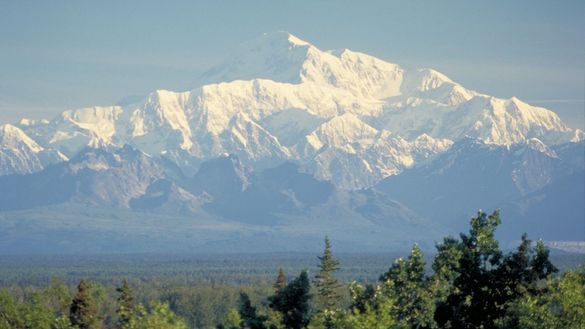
{"type": "Point", "coordinates": [345, 116]}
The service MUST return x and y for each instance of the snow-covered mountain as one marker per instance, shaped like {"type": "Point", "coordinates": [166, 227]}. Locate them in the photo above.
{"type": "Point", "coordinates": [346, 116]}
{"type": "Point", "coordinates": [120, 199]}
{"type": "Point", "coordinates": [19, 154]}
{"type": "Point", "coordinates": [540, 190]}
{"type": "Point", "coordinates": [110, 177]}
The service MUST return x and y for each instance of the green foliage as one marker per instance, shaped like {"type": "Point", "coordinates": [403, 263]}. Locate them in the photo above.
{"type": "Point", "coordinates": [204, 305]}
{"type": "Point", "coordinates": [326, 285]}
{"type": "Point", "coordinates": [329, 319]}
{"type": "Point", "coordinates": [35, 308]}
{"type": "Point", "coordinates": [373, 307]}
{"type": "Point", "coordinates": [280, 280]}
{"type": "Point", "coordinates": [84, 310]}
{"type": "Point", "coordinates": [379, 317]}
{"type": "Point", "coordinates": [233, 320]}
{"type": "Point", "coordinates": [446, 267]}
{"type": "Point", "coordinates": [37, 314]}
{"type": "Point", "coordinates": [161, 317]}
{"type": "Point", "coordinates": [409, 287]}
{"type": "Point", "coordinates": [62, 322]}
{"type": "Point", "coordinates": [58, 297]}
{"type": "Point", "coordinates": [561, 306]}
{"type": "Point", "coordinates": [293, 302]}
{"type": "Point", "coordinates": [473, 285]}
{"type": "Point", "coordinates": [485, 282]}
{"type": "Point", "coordinates": [361, 296]}
{"type": "Point", "coordinates": [9, 317]}
{"type": "Point", "coordinates": [249, 314]}
{"type": "Point", "coordinates": [126, 306]}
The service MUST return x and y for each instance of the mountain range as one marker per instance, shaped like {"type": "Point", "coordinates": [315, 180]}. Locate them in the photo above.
{"type": "Point", "coordinates": [280, 144]}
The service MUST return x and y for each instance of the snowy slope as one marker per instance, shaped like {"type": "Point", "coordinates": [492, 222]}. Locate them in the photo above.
{"type": "Point", "coordinates": [19, 154]}
{"type": "Point", "coordinates": [345, 115]}
{"type": "Point", "coordinates": [538, 189]}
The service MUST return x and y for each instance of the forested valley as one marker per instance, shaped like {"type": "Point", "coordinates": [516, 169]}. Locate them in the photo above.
{"type": "Point", "coordinates": [470, 282]}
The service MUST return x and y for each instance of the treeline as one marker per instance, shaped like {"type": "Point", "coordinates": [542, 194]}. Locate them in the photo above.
{"type": "Point", "coordinates": [473, 284]}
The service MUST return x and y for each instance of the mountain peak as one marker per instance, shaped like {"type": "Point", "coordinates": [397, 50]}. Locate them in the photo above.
{"type": "Point", "coordinates": [277, 56]}
{"type": "Point", "coordinates": [279, 36]}
{"type": "Point", "coordinates": [13, 137]}
{"type": "Point", "coordinates": [279, 97]}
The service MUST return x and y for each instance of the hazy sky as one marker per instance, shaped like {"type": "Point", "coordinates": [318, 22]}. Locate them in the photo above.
{"type": "Point", "coordinates": [58, 55]}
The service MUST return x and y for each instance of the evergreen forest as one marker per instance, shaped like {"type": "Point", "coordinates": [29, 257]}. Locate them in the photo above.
{"type": "Point", "coordinates": [469, 282]}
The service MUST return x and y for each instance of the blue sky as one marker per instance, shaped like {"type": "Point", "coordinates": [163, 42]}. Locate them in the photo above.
{"type": "Point", "coordinates": [58, 55]}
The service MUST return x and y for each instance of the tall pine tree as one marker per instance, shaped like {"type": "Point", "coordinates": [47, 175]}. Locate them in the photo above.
{"type": "Point", "coordinates": [326, 284]}
{"type": "Point", "coordinates": [83, 312]}
{"type": "Point", "coordinates": [280, 280]}
{"type": "Point", "coordinates": [126, 306]}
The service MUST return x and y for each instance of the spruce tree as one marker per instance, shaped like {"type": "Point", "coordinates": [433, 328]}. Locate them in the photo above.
{"type": "Point", "coordinates": [83, 312]}
{"type": "Point", "coordinates": [487, 283]}
{"type": "Point", "coordinates": [541, 266]}
{"type": "Point", "coordinates": [326, 284]}
{"type": "Point", "coordinates": [126, 306]}
{"type": "Point", "coordinates": [409, 287]}
{"type": "Point", "coordinates": [473, 302]}
{"type": "Point", "coordinates": [248, 314]}
{"type": "Point", "coordinates": [293, 302]}
{"type": "Point", "coordinates": [280, 280]}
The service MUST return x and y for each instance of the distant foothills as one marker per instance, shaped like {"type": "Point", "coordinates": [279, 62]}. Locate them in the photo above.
{"type": "Point", "coordinates": [282, 144]}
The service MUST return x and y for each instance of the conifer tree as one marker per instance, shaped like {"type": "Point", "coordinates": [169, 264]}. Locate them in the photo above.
{"type": "Point", "coordinates": [486, 282]}
{"type": "Point", "coordinates": [126, 306]}
{"type": "Point", "coordinates": [472, 302]}
{"type": "Point", "coordinates": [409, 287]}
{"type": "Point", "coordinates": [249, 315]}
{"type": "Point", "coordinates": [541, 266]}
{"type": "Point", "coordinates": [83, 312]}
{"type": "Point", "coordinates": [326, 284]}
{"type": "Point", "coordinates": [446, 267]}
{"type": "Point", "coordinates": [293, 302]}
{"type": "Point", "coordinates": [280, 280]}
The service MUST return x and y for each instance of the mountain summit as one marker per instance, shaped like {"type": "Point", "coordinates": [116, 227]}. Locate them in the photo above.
{"type": "Point", "coordinates": [281, 144]}
{"type": "Point", "coordinates": [347, 116]}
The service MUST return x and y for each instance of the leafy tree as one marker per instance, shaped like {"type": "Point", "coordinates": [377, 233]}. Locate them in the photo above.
{"type": "Point", "coordinates": [374, 307]}
{"type": "Point", "coordinates": [161, 317]}
{"type": "Point", "coordinates": [58, 296]}
{"type": "Point", "coordinates": [485, 283]}
{"type": "Point", "coordinates": [293, 302]}
{"type": "Point", "coordinates": [541, 265]}
{"type": "Point", "coordinates": [410, 288]}
{"type": "Point", "coordinates": [445, 268]}
{"type": "Point", "coordinates": [9, 315]}
{"type": "Point", "coordinates": [373, 318]}
{"type": "Point", "coordinates": [561, 306]}
{"type": "Point", "coordinates": [361, 296]}
{"type": "Point", "coordinates": [126, 306]}
{"type": "Point", "coordinates": [83, 310]}
{"type": "Point", "coordinates": [62, 322]}
{"type": "Point", "coordinates": [521, 272]}
{"type": "Point", "coordinates": [233, 320]}
{"type": "Point", "coordinates": [37, 313]}
{"type": "Point", "coordinates": [471, 304]}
